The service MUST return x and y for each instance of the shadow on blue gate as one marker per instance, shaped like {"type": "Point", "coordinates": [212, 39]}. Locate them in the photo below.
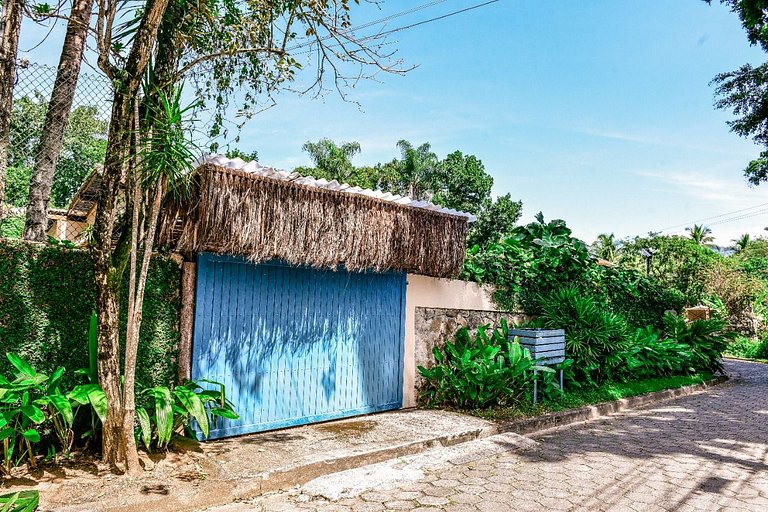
{"type": "Point", "coordinates": [295, 345]}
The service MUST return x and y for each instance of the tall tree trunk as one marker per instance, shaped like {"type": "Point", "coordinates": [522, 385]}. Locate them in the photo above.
{"type": "Point", "coordinates": [10, 26]}
{"type": "Point", "coordinates": [56, 118]}
{"type": "Point", "coordinates": [108, 278]}
{"type": "Point", "coordinates": [107, 267]}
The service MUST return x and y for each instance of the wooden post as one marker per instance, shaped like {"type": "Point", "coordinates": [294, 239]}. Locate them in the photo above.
{"type": "Point", "coordinates": [186, 319]}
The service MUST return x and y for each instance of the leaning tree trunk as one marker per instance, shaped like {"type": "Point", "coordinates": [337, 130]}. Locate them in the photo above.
{"type": "Point", "coordinates": [10, 26]}
{"type": "Point", "coordinates": [56, 118]}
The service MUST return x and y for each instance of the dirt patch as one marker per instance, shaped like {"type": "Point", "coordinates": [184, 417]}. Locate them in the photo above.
{"type": "Point", "coordinates": [348, 428]}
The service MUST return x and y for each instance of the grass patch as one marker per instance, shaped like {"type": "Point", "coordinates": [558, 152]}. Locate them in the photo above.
{"type": "Point", "coordinates": [580, 398]}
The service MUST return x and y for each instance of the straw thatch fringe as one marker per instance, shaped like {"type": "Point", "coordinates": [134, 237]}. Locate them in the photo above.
{"type": "Point", "coordinates": [235, 212]}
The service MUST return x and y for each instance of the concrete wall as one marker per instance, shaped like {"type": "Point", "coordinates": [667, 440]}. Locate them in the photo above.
{"type": "Point", "coordinates": [434, 310]}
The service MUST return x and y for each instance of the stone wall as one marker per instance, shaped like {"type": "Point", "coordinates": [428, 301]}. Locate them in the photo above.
{"type": "Point", "coordinates": [436, 325]}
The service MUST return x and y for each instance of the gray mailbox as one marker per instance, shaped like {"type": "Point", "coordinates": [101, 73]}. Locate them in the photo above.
{"type": "Point", "coordinates": [547, 346]}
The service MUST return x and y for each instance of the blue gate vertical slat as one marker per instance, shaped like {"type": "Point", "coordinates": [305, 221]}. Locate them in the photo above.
{"type": "Point", "coordinates": [296, 345]}
{"type": "Point", "coordinates": [402, 284]}
{"type": "Point", "coordinates": [282, 382]}
{"type": "Point", "coordinates": [349, 379]}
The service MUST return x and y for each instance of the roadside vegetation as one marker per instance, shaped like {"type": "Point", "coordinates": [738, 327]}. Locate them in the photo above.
{"type": "Point", "coordinates": [622, 305]}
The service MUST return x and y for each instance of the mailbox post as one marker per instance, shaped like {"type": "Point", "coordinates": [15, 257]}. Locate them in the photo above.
{"type": "Point", "coordinates": [547, 347]}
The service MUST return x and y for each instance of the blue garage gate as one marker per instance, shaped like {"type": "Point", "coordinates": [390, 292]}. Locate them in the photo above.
{"type": "Point", "coordinates": [297, 345]}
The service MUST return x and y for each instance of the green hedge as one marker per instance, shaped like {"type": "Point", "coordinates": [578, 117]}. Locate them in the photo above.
{"type": "Point", "coordinates": [47, 294]}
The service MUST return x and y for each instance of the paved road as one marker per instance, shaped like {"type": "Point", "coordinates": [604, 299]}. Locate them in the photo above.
{"type": "Point", "coordinates": [704, 452]}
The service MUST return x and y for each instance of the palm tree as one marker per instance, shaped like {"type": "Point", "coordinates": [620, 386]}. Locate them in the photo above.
{"type": "Point", "coordinates": [606, 246]}
{"type": "Point", "coordinates": [334, 161]}
{"type": "Point", "coordinates": [418, 170]}
{"type": "Point", "coordinates": [701, 234]}
{"type": "Point", "coordinates": [741, 243]}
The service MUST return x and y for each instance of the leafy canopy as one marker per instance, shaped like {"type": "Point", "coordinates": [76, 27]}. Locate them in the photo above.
{"type": "Point", "coordinates": [744, 91]}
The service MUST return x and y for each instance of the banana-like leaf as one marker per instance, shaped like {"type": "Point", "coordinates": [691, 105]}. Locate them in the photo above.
{"type": "Point", "coordinates": [61, 403]}
{"type": "Point", "coordinates": [163, 413]}
{"type": "Point", "coordinates": [21, 365]}
{"type": "Point", "coordinates": [6, 433]}
{"type": "Point", "coordinates": [24, 501]}
{"type": "Point", "coordinates": [55, 380]}
{"type": "Point", "coordinates": [33, 412]}
{"type": "Point", "coordinates": [98, 401]}
{"type": "Point", "coordinates": [194, 407]}
{"type": "Point", "coordinates": [31, 435]}
{"type": "Point", "coordinates": [225, 413]}
{"type": "Point", "coordinates": [145, 426]}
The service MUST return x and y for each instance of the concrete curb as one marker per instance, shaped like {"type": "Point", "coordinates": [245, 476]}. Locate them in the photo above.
{"type": "Point", "coordinates": [591, 412]}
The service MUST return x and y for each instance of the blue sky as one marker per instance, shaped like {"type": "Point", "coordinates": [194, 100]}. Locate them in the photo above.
{"type": "Point", "coordinates": [595, 111]}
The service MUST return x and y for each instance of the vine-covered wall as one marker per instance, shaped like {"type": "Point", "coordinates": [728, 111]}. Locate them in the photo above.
{"type": "Point", "coordinates": [47, 294]}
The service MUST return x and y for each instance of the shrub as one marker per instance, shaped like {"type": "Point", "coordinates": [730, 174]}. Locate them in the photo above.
{"type": "Point", "coordinates": [534, 259]}
{"type": "Point", "coordinates": [748, 348]}
{"type": "Point", "coordinates": [640, 299]}
{"type": "Point", "coordinates": [648, 355]}
{"type": "Point", "coordinates": [479, 372]}
{"type": "Point", "coordinates": [593, 335]}
{"type": "Point", "coordinates": [164, 412]}
{"type": "Point", "coordinates": [32, 403]}
{"type": "Point", "coordinates": [705, 338]}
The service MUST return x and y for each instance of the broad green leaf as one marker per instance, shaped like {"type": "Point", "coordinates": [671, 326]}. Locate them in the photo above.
{"type": "Point", "coordinates": [194, 407]}
{"type": "Point", "coordinates": [54, 380]}
{"type": "Point", "coordinates": [98, 401]}
{"type": "Point", "coordinates": [163, 413]}
{"type": "Point", "coordinates": [225, 413]}
{"type": "Point", "coordinates": [32, 435]}
{"type": "Point", "coordinates": [145, 426]}
{"type": "Point", "coordinates": [23, 501]}
{"type": "Point", "coordinates": [6, 433]}
{"type": "Point", "coordinates": [61, 403]}
{"type": "Point", "coordinates": [21, 365]}
{"type": "Point", "coordinates": [33, 412]}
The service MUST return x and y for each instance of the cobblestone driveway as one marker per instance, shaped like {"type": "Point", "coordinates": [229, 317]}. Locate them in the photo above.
{"type": "Point", "coordinates": [704, 452]}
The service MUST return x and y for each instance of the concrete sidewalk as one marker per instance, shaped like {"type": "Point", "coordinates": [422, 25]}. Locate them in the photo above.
{"type": "Point", "coordinates": [239, 468]}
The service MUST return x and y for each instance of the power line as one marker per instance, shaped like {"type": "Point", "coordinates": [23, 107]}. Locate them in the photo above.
{"type": "Point", "coordinates": [398, 29]}
{"type": "Point", "coordinates": [374, 22]}
{"type": "Point", "coordinates": [685, 224]}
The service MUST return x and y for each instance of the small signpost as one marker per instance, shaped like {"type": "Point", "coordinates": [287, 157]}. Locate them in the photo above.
{"type": "Point", "coordinates": [547, 347]}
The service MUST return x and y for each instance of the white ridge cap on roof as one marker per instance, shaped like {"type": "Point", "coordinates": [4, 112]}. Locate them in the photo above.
{"type": "Point", "coordinates": [270, 172]}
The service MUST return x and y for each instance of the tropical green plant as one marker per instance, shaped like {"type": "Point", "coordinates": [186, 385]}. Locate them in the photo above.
{"type": "Point", "coordinates": [26, 402]}
{"type": "Point", "coordinates": [534, 259]}
{"type": "Point", "coordinates": [22, 501]}
{"type": "Point", "coordinates": [706, 339]}
{"type": "Point", "coordinates": [480, 371]}
{"type": "Point", "coordinates": [649, 355]}
{"type": "Point", "coordinates": [164, 411]}
{"type": "Point", "coordinates": [748, 348]}
{"type": "Point", "coordinates": [32, 403]}
{"type": "Point", "coordinates": [677, 263]}
{"type": "Point", "coordinates": [593, 334]}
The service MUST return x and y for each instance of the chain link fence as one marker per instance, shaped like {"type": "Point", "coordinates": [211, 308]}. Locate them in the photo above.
{"type": "Point", "coordinates": [84, 146]}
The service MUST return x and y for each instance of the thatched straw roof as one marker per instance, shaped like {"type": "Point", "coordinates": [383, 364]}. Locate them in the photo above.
{"type": "Point", "coordinates": [275, 215]}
